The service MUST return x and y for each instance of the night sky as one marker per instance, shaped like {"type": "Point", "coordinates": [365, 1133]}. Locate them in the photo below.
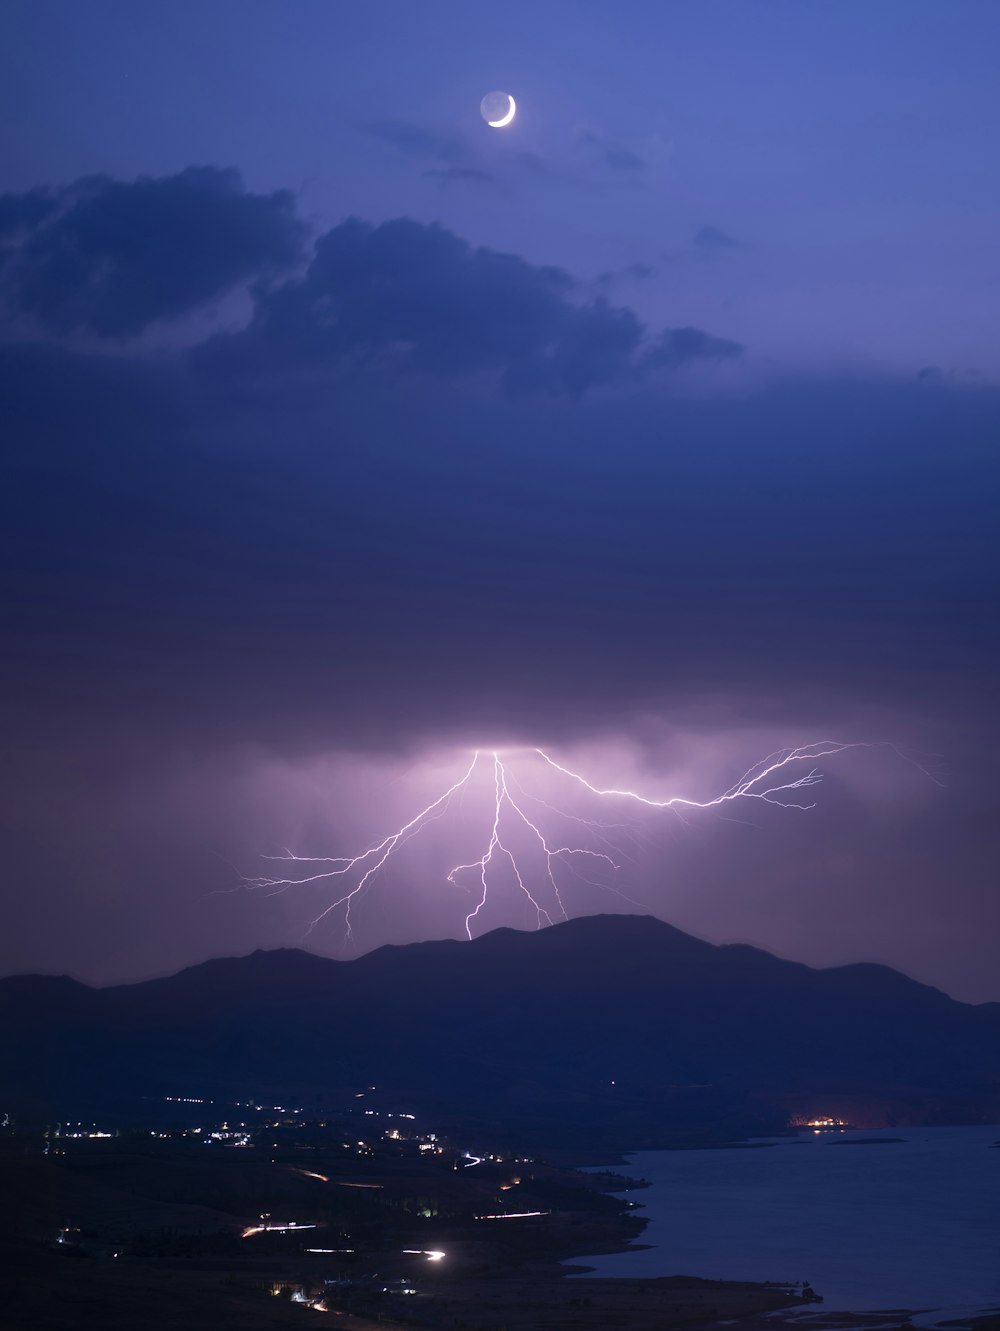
{"type": "Point", "coordinates": [344, 434]}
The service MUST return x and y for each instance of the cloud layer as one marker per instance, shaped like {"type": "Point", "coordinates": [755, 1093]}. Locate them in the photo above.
{"type": "Point", "coordinates": [430, 493]}
{"type": "Point", "coordinates": [392, 477]}
{"type": "Point", "coordinates": [112, 257]}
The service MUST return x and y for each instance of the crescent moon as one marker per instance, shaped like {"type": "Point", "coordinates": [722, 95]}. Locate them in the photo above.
{"type": "Point", "coordinates": [499, 124]}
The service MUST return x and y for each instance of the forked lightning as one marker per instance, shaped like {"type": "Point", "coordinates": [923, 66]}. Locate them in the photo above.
{"type": "Point", "coordinates": [512, 826]}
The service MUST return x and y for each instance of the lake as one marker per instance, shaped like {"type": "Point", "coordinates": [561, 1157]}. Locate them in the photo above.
{"type": "Point", "coordinates": [870, 1222]}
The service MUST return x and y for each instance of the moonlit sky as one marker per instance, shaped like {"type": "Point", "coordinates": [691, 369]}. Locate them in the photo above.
{"type": "Point", "coordinates": [344, 433]}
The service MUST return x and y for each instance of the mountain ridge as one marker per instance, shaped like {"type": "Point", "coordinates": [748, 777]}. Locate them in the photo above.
{"type": "Point", "coordinates": [494, 935]}
{"type": "Point", "coordinates": [619, 1025]}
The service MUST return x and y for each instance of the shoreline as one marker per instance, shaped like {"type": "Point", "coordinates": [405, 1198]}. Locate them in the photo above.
{"type": "Point", "coordinates": [525, 1275]}
{"type": "Point", "coordinates": [545, 1292]}
{"type": "Point", "coordinates": [817, 1312]}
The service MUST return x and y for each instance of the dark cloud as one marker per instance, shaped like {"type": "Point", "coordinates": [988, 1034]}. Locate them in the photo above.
{"type": "Point", "coordinates": [418, 140]}
{"type": "Point", "coordinates": [364, 560]}
{"type": "Point", "coordinates": [199, 585]}
{"type": "Point", "coordinates": [238, 529]}
{"type": "Point", "coordinates": [680, 346]}
{"type": "Point", "coordinates": [417, 297]}
{"type": "Point", "coordinates": [112, 257]}
{"type": "Point", "coordinates": [276, 546]}
{"type": "Point", "coordinates": [610, 153]}
{"type": "Point", "coordinates": [936, 374]}
{"type": "Point", "coordinates": [23, 212]}
{"type": "Point", "coordinates": [713, 238]}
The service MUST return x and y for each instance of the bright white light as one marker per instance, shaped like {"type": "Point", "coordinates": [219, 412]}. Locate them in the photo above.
{"type": "Point", "coordinates": [269, 1228]}
{"type": "Point", "coordinates": [497, 109]}
{"type": "Point", "coordinates": [519, 850]}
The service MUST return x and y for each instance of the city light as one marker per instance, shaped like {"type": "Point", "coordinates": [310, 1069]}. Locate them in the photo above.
{"type": "Point", "coordinates": [270, 1227]}
{"type": "Point", "coordinates": [432, 1254]}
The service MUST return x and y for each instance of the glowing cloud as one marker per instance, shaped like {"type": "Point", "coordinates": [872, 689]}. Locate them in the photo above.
{"type": "Point", "coordinates": [519, 849]}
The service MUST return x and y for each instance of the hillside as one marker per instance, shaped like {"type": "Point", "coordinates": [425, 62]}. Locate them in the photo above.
{"type": "Point", "coordinates": [613, 1028]}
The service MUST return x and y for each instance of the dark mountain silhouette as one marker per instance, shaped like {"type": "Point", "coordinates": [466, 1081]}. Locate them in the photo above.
{"type": "Point", "coordinates": [618, 1029]}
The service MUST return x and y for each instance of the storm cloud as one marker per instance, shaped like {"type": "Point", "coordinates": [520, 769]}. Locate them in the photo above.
{"type": "Point", "coordinates": [112, 257]}
{"type": "Point", "coordinates": [431, 492]}
{"type": "Point", "coordinates": [440, 478]}
{"type": "Point", "coordinates": [417, 297]}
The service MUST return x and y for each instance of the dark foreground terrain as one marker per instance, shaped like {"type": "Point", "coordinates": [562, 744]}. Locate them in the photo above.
{"type": "Point", "coordinates": [301, 1219]}
{"type": "Point", "coordinates": [262, 1141]}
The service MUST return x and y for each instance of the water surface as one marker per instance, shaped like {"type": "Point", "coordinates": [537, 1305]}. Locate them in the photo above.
{"type": "Point", "coordinates": [907, 1224]}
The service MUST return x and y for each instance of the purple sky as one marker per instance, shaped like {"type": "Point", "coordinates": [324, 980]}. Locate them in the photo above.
{"type": "Point", "coordinates": [345, 434]}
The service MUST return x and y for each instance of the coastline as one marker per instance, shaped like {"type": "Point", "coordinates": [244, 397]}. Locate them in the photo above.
{"type": "Point", "coordinates": [520, 1275]}
{"type": "Point", "coordinates": [539, 1288]}
{"type": "Point", "coordinates": [730, 1217]}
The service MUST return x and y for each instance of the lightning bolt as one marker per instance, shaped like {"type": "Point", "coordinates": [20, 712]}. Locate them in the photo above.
{"type": "Point", "coordinates": [368, 862]}
{"type": "Point", "coordinates": [551, 854]}
{"type": "Point", "coordinates": [751, 785]}
{"type": "Point", "coordinates": [778, 779]}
